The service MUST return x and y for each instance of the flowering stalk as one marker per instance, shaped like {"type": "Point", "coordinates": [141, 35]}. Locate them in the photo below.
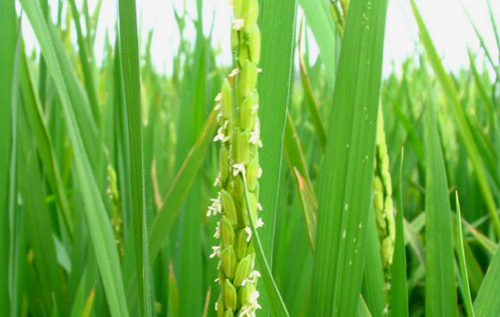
{"type": "Point", "coordinates": [239, 135]}
{"type": "Point", "coordinates": [382, 198]}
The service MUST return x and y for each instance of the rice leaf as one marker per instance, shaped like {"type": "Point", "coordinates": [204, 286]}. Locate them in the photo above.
{"type": "Point", "coordinates": [39, 224]}
{"type": "Point", "coordinates": [129, 57]}
{"type": "Point", "coordinates": [440, 288]}
{"type": "Point", "coordinates": [38, 127]}
{"type": "Point", "coordinates": [459, 116]}
{"type": "Point", "coordinates": [277, 24]}
{"type": "Point", "coordinates": [97, 219]}
{"type": "Point", "coordinates": [8, 34]}
{"type": "Point", "coordinates": [345, 183]}
{"type": "Point", "coordinates": [373, 287]}
{"type": "Point", "coordinates": [317, 122]}
{"type": "Point", "coordinates": [192, 116]}
{"type": "Point", "coordinates": [85, 62]}
{"type": "Point", "coordinates": [459, 247]}
{"type": "Point", "coordinates": [399, 287]}
{"type": "Point", "coordinates": [363, 310]}
{"type": "Point", "coordinates": [323, 28]}
{"type": "Point", "coordinates": [488, 245]}
{"type": "Point", "coordinates": [485, 303]}
{"type": "Point", "coordinates": [179, 189]}
{"type": "Point", "coordinates": [275, 301]}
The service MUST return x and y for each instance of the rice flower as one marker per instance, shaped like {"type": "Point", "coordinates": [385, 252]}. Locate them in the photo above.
{"type": "Point", "coordinates": [382, 198]}
{"type": "Point", "coordinates": [239, 138]}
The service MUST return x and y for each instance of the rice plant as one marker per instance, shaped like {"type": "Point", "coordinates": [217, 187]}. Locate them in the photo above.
{"type": "Point", "coordinates": [292, 179]}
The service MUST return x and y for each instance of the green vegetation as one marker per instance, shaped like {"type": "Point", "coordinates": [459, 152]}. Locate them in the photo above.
{"type": "Point", "coordinates": [338, 191]}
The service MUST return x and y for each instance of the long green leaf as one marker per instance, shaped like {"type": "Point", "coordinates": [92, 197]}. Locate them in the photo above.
{"type": "Point", "coordinates": [34, 116]}
{"type": "Point", "coordinates": [129, 57]}
{"type": "Point", "coordinates": [39, 224]}
{"type": "Point", "coordinates": [175, 196]}
{"type": "Point", "coordinates": [297, 165]}
{"type": "Point", "coordinates": [85, 62]}
{"type": "Point", "coordinates": [79, 101]}
{"type": "Point", "coordinates": [440, 289]}
{"type": "Point", "coordinates": [494, 23]}
{"type": "Point", "coordinates": [97, 219]}
{"type": "Point", "coordinates": [317, 122]}
{"type": "Point", "coordinates": [486, 303]}
{"type": "Point", "coordinates": [192, 116]}
{"type": "Point", "coordinates": [344, 193]}
{"type": "Point", "coordinates": [275, 300]}
{"type": "Point", "coordinates": [399, 287]}
{"type": "Point", "coordinates": [278, 27]}
{"type": "Point", "coordinates": [323, 28]}
{"type": "Point", "coordinates": [373, 287]}
{"type": "Point", "coordinates": [482, 42]}
{"type": "Point", "coordinates": [8, 34]}
{"type": "Point", "coordinates": [179, 189]}
{"type": "Point", "coordinates": [363, 310]}
{"type": "Point", "coordinates": [483, 240]}
{"type": "Point", "coordinates": [459, 246]}
{"type": "Point", "coordinates": [459, 116]}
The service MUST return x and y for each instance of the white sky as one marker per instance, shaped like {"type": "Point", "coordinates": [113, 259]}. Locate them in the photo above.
{"type": "Point", "coordinates": [447, 23]}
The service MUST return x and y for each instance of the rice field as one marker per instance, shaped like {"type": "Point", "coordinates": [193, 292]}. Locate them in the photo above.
{"type": "Point", "coordinates": [273, 183]}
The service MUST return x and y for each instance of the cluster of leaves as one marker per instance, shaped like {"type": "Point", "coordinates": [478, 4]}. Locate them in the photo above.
{"type": "Point", "coordinates": [106, 171]}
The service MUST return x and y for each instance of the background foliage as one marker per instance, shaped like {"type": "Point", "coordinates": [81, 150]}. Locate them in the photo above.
{"type": "Point", "coordinates": [106, 167]}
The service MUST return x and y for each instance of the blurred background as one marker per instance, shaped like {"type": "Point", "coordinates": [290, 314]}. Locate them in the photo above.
{"type": "Point", "coordinates": [446, 20]}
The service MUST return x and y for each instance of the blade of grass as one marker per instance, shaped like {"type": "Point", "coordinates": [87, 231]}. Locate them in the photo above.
{"type": "Point", "coordinates": [297, 165]}
{"type": "Point", "coordinates": [294, 153]}
{"type": "Point", "coordinates": [85, 62]}
{"type": "Point", "coordinates": [39, 224]}
{"type": "Point", "coordinates": [77, 96]}
{"type": "Point", "coordinates": [89, 303]}
{"type": "Point", "coordinates": [165, 218]}
{"type": "Point", "coordinates": [34, 116]}
{"type": "Point", "coordinates": [278, 27]}
{"type": "Point", "coordinates": [129, 57]}
{"type": "Point", "coordinates": [173, 293]}
{"type": "Point", "coordinates": [486, 302]}
{"type": "Point", "coordinates": [309, 205]}
{"type": "Point", "coordinates": [17, 221]}
{"type": "Point", "coordinates": [399, 287]}
{"type": "Point", "coordinates": [79, 302]}
{"type": "Point", "coordinates": [176, 194]}
{"type": "Point", "coordinates": [410, 130]}
{"type": "Point", "coordinates": [413, 239]}
{"type": "Point", "coordinates": [318, 17]}
{"type": "Point", "coordinates": [483, 240]}
{"type": "Point", "coordinates": [363, 310]}
{"type": "Point", "coordinates": [97, 219]}
{"type": "Point", "coordinates": [8, 34]}
{"type": "Point", "coordinates": [345, 186]}
{"type": "Point", "coordinates": [440, 289]}
{"type": "Point", "coordinates": [373, 287]}
{"type": "Point", "coordinates": [459, 117]}
{"type": "Point", "coordinates": [482, 42]}
{"type": "Point", "coordinates": [121, 137]}
{"type": "Point", "coordinates": [18, 262]}
{"type": "Point", "coordinates": [459, 248]}
{"type": "Point", "coordinates": [481, 89]}
{"type": "Point", "coordinates": [275, 300]}
{"type": "Point", "coordinates": [493, 23]}
{"type": "Point", "coordinates": [192, 115]}
{"type": "Point", "coordinates": [474, 270]}
{"type": "Point", "coordinates": [317, 122]}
